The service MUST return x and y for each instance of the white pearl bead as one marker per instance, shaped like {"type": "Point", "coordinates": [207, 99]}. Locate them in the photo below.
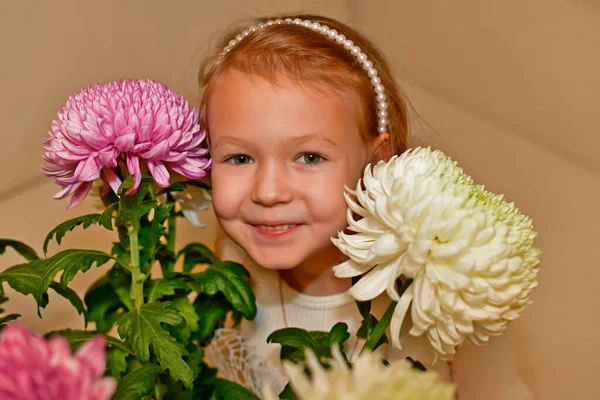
{"type": "Point", "coordinates": [379, 89]}
{"type": "Point", "coordinates": [355, 50]}
{"type": "Point", "coordinates": [232, 43]}
{"type": "Point", "coordinates": [289, 20]}
{"type": "Point", "coordinates": [261, 25]}
{"type": "Point", "coordinates": [381, 97]}
{"type": "Point", "coordinates": [270, 23]}
{"type": "Point", "coordinates": [239, 38]}
{"type": "Point", "coordinates": [382, 121]}
{"type": "Point", "coordinates": [253, 29]}
{"type": "Point", "coordinates": [382, 105]}
{"type": "Point", "coordinates": [316, 26]}
{"type": "Point", "coordinates": [298, 21]}
{"type": "Point", "coordinates": [362, 57]}
{"type": "Point", "coordinates": [372, 72]}
{"type": "Point", "coordinates": [279, 21]}
{"type": "Point", "coordinates": [375, 81]}
{"type": "Point", "coordinates": [348, 44]}
{"type": "Point", "coordinates": [245, 33]}
{"type": "Point", "coordinates": [340, 39]}
{"type": "Point", "coordinates": [306, 24]}
{"type": "Point", "coordinates": [382, 114]}
{"type": "Point", "coordinates": [367, 65]}
{"type": "Point", "coordinates": [324, 30]}
{"type": "Point", "coordinates": [332, 33]}
{"type": "Point", "coordinates": [381, 129]}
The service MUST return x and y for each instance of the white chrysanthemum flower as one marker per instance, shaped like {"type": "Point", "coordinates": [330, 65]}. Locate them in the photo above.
{"type": "Point", "coordinates": [368, 378]}
{"type": "Point", "coordinates": [468, 251]}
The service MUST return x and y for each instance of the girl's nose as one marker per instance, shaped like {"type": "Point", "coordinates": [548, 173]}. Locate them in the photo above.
{"type": "Point", "coordinates": [271, 186]}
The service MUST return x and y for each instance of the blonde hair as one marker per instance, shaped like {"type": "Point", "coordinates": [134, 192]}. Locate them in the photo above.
{"type": "Point", "coordinates": [308, 56]}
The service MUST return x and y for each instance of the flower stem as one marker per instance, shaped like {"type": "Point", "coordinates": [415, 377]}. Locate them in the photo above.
{"type": "Point", "coordinates": [382, 325]}
{"type": "Point", "coordinates": [137, 281]}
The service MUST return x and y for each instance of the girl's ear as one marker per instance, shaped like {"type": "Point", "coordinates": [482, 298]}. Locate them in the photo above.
{"type": "Point", "coordinates": [381, 148]}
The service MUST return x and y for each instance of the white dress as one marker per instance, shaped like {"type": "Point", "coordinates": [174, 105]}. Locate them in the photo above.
{"type": "Point", "coordinates": [244, 356]}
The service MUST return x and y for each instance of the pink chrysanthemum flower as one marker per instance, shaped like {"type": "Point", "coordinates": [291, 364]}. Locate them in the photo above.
{"type": "Point", "coordinates": [32, 368]}
{"type": "Point", "coordinates": [140, 119]}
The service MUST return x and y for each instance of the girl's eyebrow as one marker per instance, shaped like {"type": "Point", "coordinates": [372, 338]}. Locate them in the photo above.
{"type": "Point", "coordinates": [296, 140]}
{"type": "Point", "coordinates": [313, 137]}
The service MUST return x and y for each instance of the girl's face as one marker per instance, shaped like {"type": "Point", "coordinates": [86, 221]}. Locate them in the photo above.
{"type": "Point", "coordinates": [281, 156]}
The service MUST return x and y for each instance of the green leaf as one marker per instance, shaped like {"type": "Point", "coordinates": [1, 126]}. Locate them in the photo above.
{"type": "Point", "coordinates": [8, 318]}
{"type": "Point", "coordinates": [187, 311]}
{"type": "Point", "coordinates": [133, 207]}
{"type": "Point", "coordinates": [26, 279]}
{"type": "Point", "coordinates": [73, 298]}
{"type": "Point", "coordinates": [103, 304]}
{"type": "Point", "coordinates": [27, 252]}
{"type": "Point", "coordinates": [116, 362]}
{"type": "Point", "coordinates": [295, 341]}
{"type": "Point", "coordinates": [227, 390]}
{"type": "Point", "coordinates": [366, 328]}
{"type": "Point", "coordinates": [181, 186]}
{"type": "Point", "coordinates": [158, 288]}
{"type": "Point", "coordinates": [138, 383]}
{"type": "Point", "coordinates": [77, 337]}
{"type": "Point", "coordinates": [141, 328]}
{"type": "Point", "coordinates": [41, 273]}
{"type": "Point", "coordinates": [106, 218]}
{"type": "Point", "coordinates": [60, 231]}
{"type": "Point", "coordinates": [288, 393]}
{"type": "Point", "coordinates": [211, 311]}
{"type": "Point", "coordinates": [150, 235]}
{"type": "Point", "coordinates": [194, 254]}
{"type": "Point", "coordinates": [231, 279]}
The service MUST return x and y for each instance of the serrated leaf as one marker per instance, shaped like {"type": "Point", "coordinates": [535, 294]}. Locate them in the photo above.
{"type": "Point", "coordinates": [194, 254]}
{"type": "Point", "coordinates": [157, 288]}
{"type": "Point", "coordinates": [138, 383]}
{"type": "Point", "coordinates": [70, 262]}
{"type": "Point", "coordinates": [295, 341]}
{"type": "Point", "coordinates": [26, 279]}
{"type": "Point", "coordinates": [73, 298]}
{"type": "Point", "coordinates": [106, 218]}
{"type": "Point", "coordinates": [61, 230]}
{"type": "Point", "coordinates": [8, 318]}
{"type": "Point", "coordinates": [150, 235]}
{"type": "Point", "coordinates": [231, 279]}
{"type": "Point", "coordinates": [133, 207]}
{"type": "Point", "coordinates": [187, 311]}
{"type": "Point", "coordinates": [77, 337]}
{"type": "Point", "coordinates": [228, 390]}
{"type": "Point", "coordinates": [116, 362]}
{"type": "Point", "coordinates": [141, 328]}
{"type": "Point", "coordinates": [27, 252]}
{"type": "Point", "coordinates": [103, 304]}
{"type": "Point", "coordinates": [211, 311]}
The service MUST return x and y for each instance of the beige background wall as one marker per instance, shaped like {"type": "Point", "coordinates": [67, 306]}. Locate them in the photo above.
{"type": "Point", "coordinates": [509, 89]}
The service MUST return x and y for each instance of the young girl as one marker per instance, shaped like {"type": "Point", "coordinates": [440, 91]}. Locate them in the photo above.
{"type": "Point", "coordinates": [295, 108]}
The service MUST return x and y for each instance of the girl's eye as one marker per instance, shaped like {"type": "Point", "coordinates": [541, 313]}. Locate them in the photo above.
{"type": "Point", "coordinates": [310, 158]}
{"type": "Point", "coordinates": [239, 159]}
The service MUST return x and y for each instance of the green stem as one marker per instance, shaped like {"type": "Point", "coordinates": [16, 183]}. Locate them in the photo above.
{"type": "Point", "coordinates": [380, 328]}
{"type": "Point", "coordinates": [137, 281]}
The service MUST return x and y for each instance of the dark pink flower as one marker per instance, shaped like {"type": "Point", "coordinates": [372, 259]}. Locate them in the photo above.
{"type": "Point", "coordinates": [140, 120]}
{"type": "Point", "coordinates": [32, 368]}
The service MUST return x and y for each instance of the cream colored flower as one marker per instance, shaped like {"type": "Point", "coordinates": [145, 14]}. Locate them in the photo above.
{"type": "Point", "coordinates": [367, 379]}
{"type": "Point", "coordinates": [468, 251]}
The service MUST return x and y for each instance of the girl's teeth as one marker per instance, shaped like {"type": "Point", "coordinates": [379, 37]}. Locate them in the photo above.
{"type": "Point", "coordinates": [275, 227]}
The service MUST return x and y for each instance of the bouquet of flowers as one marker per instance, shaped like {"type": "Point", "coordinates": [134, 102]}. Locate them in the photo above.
{"type": "Point", "coordinates": [126, 136]}
{"type": "Point", "coordinates": [458, 258]}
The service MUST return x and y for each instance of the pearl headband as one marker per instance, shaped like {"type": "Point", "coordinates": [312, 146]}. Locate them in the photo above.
{"type": "Point", "coordinates": [382, 105]}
